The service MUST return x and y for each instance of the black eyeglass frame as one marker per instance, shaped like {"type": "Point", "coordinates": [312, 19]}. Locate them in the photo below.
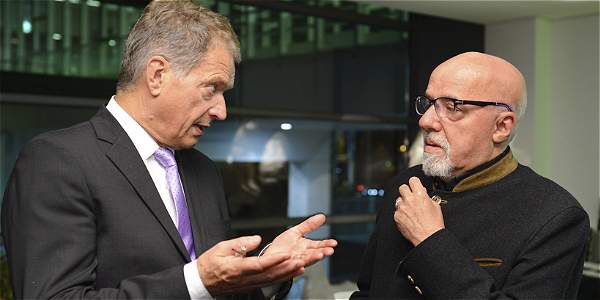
{"type": "Point", "coordinates": [461, 102]}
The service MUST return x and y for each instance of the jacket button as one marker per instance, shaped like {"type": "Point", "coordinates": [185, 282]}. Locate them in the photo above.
{"type": "Point", "coordinates": [412, 281]}
{"type": "Point", "coordinates": [418, 290]}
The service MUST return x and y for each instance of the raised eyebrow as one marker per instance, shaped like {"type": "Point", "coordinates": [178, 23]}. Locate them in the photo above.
{"type": "Point", "coordinates": [220, 82]}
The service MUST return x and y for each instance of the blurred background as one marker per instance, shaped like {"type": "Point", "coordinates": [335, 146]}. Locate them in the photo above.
{"type": "Point", "coordinates": [322, 112]}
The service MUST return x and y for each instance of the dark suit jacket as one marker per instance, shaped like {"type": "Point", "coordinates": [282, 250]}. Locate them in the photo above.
{"type": "Point", "coordinates": [519, 237]}
{"type": "Point", "coordinates": [81, 217]}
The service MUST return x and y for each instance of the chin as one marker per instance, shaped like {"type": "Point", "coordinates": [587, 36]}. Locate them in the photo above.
{"type": "Point", "coordinates": [188, 144]}
{"type": "Point", "coordinates": [437, 165]}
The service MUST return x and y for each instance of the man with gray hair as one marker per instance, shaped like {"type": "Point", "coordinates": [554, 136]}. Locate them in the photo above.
{"type": "Point", "coordinates": [471, 222]}
{"type": "Point", "coordinates": [122, 206]}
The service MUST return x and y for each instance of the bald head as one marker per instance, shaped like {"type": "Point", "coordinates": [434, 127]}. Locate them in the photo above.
{"type": "Point", "coordinates": [485, 77]}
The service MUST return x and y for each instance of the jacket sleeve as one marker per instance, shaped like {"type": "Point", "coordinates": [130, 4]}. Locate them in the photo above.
{"type": "Point", "coordinates": [49, 229]}
{"type": "Point", "coordinates": [549, 266]}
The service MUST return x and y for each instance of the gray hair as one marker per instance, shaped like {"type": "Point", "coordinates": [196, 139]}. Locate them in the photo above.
{"type": "Point", "coordinates": [520, 108]}
{"type": "Point", "coordinates": [181, 31]}
{"type": "Point", "coordinates": [521, 105]}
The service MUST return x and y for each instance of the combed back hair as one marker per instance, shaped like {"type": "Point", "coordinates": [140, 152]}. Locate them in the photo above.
{"type": "Point", "coordinates": [180, 31]}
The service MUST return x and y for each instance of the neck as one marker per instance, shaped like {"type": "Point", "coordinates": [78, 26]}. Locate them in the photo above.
{"type": "Point", "coordinates": [135, 103]}
{"type": "Point", "coordinates": [496, 150]}
{"type": "Point", "coordinates": [132, 103]}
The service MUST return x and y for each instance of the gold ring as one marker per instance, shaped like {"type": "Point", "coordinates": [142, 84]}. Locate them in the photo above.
{"type": "Point", "coordinates": [242, 252]}
{"type": "Point", "coordinates": [438, 200]}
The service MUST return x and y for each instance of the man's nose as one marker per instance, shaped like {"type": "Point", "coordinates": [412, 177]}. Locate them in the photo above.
{"type": "Point", "coordinates": [219, 110]}
{"type": "Point", "coordinates": [430, 121]}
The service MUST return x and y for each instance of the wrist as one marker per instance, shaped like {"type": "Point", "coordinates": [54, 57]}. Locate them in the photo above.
{"type": "Point", "coordinates": [417, 240]}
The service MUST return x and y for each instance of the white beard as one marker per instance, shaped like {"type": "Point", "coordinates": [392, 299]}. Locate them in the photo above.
{"type": "Point", "coordinates": [435, 165]}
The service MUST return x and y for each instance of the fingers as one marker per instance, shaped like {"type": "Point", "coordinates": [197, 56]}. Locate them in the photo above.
{"type": "Point", "coordinates": [310, 257]}
{"type": "Point", "coordinates": [239, 246]}
{"type": "Point", "coordinates": [310, 224]}
{"type": "Point", "coordinates": [249, 243]}
{"type": "Point", "coordinates": [325, 251]}
{"type": "Point", "coordinates": [276, 274]}
{"type": "Point", "coordinates": [408, 192]}
{"type": "Point", "coordinates": [416, 186]}
{"type": "Point", "coordinates": [396, 217]}
{"type": "Point", "coordinates": [405, 192]}
{"type": "Point", "coordinates": [243, 280]}
{"type": "Point", "coordinates": [330, 243]}
{"type": "Point", "coordinates": [256, 264]}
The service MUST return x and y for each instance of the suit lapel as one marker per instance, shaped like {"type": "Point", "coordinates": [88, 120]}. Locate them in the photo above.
{"type": "Point", "coordinates": [125, 157]}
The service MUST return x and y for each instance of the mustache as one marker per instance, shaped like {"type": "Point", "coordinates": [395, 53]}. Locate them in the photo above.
{"type": "Point", "coordinates": [438, 140]}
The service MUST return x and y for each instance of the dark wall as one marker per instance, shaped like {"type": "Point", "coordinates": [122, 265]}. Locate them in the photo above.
{"type": "Point", "coordinates": [433, 40]}
{"type": "Point", "coordinates": [297, 83]}
{"type": "Point", "coordinates": [37, 84]}
{"type": "Point", "coordinates": [372, 80]}
{"type": "Point", "coordinates": [365, 80]}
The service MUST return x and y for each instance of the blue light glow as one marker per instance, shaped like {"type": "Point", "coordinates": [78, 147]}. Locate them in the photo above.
{"type": "Point", "coordinates": [26, 26]}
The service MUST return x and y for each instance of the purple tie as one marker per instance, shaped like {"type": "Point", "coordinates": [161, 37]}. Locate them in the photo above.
{"type": "Point", "coordinates": [166, 159]}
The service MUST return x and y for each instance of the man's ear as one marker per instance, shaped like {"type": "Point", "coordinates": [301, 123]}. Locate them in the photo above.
{"type": "Point", "coordinates": [155, 74]}
{"type": "Point", "coordinates": [505, 124]}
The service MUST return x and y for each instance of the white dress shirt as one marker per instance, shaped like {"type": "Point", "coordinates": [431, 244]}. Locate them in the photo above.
{"type": "Point", "coordinates": [146, 146]}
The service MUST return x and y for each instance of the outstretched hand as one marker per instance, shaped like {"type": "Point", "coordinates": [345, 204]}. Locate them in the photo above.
{"type": "Point", "coordinates": [225, 269]}
{"type": "Point", "coordinates": [293, 243]}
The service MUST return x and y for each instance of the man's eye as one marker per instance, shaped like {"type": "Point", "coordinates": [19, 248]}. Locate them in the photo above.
{"type": "Point", "coordinates": [449, 106]}
{"type": "Point", "coordinates": [211, 89]}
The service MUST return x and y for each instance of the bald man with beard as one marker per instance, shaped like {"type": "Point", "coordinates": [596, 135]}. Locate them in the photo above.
{"type": "Point", "coordinates": [471, 222]}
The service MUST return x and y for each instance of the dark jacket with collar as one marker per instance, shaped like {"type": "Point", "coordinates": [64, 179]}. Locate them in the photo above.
{"type": "Point", "coordinates": [509, 234]}
{"type": "Point", "coordinates": [81, 217]}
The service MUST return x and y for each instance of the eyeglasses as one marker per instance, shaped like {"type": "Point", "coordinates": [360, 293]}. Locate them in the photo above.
{"type": "Point", "coordinates": [450, 108]}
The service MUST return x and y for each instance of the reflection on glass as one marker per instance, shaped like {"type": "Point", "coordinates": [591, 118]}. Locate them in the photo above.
{"type": "Point", "coordinates": [255, 190]}
{"type": "Point", "coordinates": [85, 38]}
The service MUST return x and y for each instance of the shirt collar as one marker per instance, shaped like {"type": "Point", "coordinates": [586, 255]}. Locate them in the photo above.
{"type": "Point", "coordinates": [143, 142]}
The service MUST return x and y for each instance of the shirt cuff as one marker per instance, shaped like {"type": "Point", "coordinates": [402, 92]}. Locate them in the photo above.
{"type": "Point", "coordinates": [194, 284]}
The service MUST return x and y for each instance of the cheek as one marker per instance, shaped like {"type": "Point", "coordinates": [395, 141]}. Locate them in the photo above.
{"type": "Point", "coordinates": [460, 142]}
{"type": "Point", "coordinates": [200, 109]}
{"type": "Point", "coordinates": [468, 144]}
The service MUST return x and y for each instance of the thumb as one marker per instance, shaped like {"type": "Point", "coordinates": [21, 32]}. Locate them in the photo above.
{"type": "Point", "coordinates": [311, 224]}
